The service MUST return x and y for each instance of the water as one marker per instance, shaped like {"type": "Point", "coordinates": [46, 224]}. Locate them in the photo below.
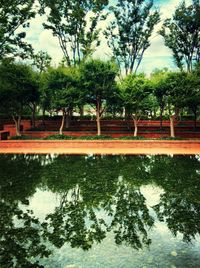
{"type": "Point", "coordinates": [99, 211]}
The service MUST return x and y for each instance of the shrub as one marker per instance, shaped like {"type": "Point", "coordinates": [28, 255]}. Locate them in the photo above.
{"type": "Point", "coordinates": [101, 137]}
{"type": "Point", "coordinates": [131, 138]}
{"type": "Point", "coordinates": [59, 137]}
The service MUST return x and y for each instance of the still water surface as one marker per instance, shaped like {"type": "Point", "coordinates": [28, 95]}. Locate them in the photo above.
{"type": "Point", "coordinates": [61, 211]}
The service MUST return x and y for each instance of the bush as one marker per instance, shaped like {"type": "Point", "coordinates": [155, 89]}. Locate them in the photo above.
{"type": "Point", "coordinates": [170, 138]}
{"type": "Point", "coordinates": [131, 138]}
{"type": "Point", "coordinates": [59, 137]}
{"type": "Point", "coordinates": [101, 137]}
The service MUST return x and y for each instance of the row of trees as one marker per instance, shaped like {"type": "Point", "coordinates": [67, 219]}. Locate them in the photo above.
{"type": "Point", "coordinates": [76, 24]}
{"type": "Point", "coordinates": [94, 83]}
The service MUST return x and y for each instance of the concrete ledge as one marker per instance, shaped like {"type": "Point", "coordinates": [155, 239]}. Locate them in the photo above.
{"type": "Point", "coordinates": [188, 147]}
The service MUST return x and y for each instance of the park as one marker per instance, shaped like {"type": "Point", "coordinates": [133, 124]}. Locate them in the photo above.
{"type": "Point", "coordinates": [99, 133]}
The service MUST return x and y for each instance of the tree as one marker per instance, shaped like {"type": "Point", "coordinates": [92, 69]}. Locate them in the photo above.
{"type": "Point", "coordinates": [160, 87]}
{"type": "Point", "coordinates": [129, 33]}
{"type": "Point", "coordinates": [181, 35]}
{"type": "Point", "coordinates": [74, 23]}
{"type": "Point", "coordinates": [135, 91]}
{"type": "Point", "coordinates": [41, 61]}
{"type": "Point", "coordinates": [176, 96]}
{"type": "Point", "coordinates": [193, 96]}
{"type": "Point", "coordinates": [98, 78]}
{"type": "Point", "coordinates": [62, 86]}
{"type": "Point", "coordinates": [13, 15]}
{"type": "Point", "coordinates": [17, 89]}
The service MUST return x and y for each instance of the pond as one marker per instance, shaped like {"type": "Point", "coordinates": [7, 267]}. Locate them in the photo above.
{"type": "Point", "coordinates": [61, 211]}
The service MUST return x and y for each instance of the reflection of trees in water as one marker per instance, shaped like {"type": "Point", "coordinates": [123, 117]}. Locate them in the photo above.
{"type": "Point", "coordinates": [97, 195]}
{"type": "Point", "coordinates": [131, 218]}
{"type": "Point", "coordinates": [21, 237]}
{"type": "Point", "coordinates": [21, 234]}
{"type": "Point", "coordinates": [179, 206]}
{"type": "Point", "coordinates": [95, 186]}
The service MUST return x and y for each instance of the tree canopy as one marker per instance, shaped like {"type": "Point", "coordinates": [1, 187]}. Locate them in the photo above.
{"type": "Point", "coordinates": [14, 18]}
{"type": "Point", "coordinates": [181, 35]}
{"type": "Point", "coordinates": [129, 32]}
{"type": "Point", "coordinates": [74, 23]}
{"type": "Point", "coordinates": [98, 78]}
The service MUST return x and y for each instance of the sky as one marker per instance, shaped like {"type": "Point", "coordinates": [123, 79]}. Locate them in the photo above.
{"type": "Point", "coordinates": [156, 56]}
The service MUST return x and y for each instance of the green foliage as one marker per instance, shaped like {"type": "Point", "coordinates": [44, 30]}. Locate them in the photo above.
{"type": "Point", "coordinates": [22, 234]}
{"type": "Point", "coordinates": [135, 91]}
{"type": "Point", "coordinates": [98, 78]}
{"type": "Point", "coordinates": [129, 32]}
{"type": "Point", "coordinates": [177, 89]}
{"type": "Point", "coordinates": [13, 15]}
{"type": "Point", "coordinates": [18, 87]}
{"type": "Point", "coordinates": [42, 61]}
{"type": "Point", "coordinates": [171, 138]}
{"type": "Point", "coordinates": [181, 35]}
{"type": "Point", "coordinates": [132, 138]}
{"type": "Point", "coordinates": [97, 137]}
{"type": "Point", "coordinates": [60, 87]}
{"type": "Point", "coordinates": [96, 196]}
{"type": "Point", "coordinates": [59, 137]}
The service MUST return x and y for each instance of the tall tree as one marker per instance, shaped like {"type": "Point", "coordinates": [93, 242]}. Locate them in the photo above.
{"type": "Point", "coordinates": [181, 35]}
{"type": "Point", "coordinates": [99, 82]}
{"type": "Point", "coordinates": [74, 23]}
{"type": "Point", "coordinates": [18, 88]}
{"type": "Point", "coordinates": [14, 16]}
{"type": "Point", "coordinates": [129, 33]}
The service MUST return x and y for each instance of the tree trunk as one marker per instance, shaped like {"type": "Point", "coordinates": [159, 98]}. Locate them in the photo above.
{"type": "Point", "coordinates": [98, 117]}
{"type": "Point", "coordinates": [67, 123]}
{"type": "Point", "coordinates": [17, 125]}
{"type": "Point", "coordinates": [62, 123]}
{"type": "Point", "coordinates": [98, 124]}
{"type": "Point", "coordinates": [33, 115]}
{"type": "Point", "coordinates": [81, 110]}
{"type": "Point", "coordinates": [195, 119]}
{"type": "Point", "coordinates": [43, 117]}
{"type": "Point", "coordinates": [161, 118]}
{"type": "Point", "coordinates": [172, 132]}
{"type": "Point", "coordinates": [135, 126]}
